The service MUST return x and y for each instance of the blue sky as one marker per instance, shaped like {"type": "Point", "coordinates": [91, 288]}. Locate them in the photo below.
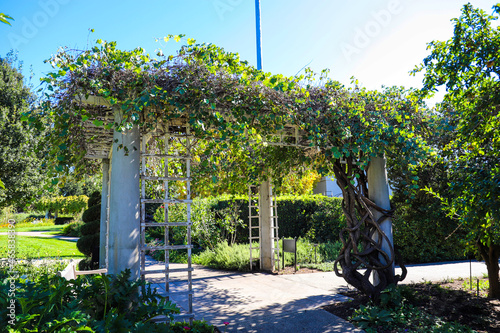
{"type": "Point", "coordinates": [378, 42]}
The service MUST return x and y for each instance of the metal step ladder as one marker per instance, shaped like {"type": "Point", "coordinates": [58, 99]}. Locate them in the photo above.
{"type": "Point", "coordinates": [254, 226]}
{"type": "Point", "coordinates": [174, 144]}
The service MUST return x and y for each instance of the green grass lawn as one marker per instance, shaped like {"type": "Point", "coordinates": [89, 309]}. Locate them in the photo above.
{"type": "Point", "coordinates": [38, 247]}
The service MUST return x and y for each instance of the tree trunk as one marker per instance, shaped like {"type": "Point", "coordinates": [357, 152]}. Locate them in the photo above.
{"type": "Point", "coordinates": [491, 254]}
{"type": "Point", "coordinates": [362, 251]}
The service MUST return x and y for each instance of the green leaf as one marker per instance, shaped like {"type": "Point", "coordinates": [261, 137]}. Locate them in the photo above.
{"type": "Point", "coordinates": [98, 123]}
{"type": "Point", "coordinates": [4, 18]}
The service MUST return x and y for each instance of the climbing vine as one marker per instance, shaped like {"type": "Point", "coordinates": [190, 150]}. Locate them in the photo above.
{"type": "Point", "coordinates": [238, 112]}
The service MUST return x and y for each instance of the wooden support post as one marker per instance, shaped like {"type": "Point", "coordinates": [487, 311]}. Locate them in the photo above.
{"type": "Point", "coordinates": [266, 231]}
{"type": "Point", "coordinates": [124, 202]}
{"type": "Point", "coordinates": [378, 189]}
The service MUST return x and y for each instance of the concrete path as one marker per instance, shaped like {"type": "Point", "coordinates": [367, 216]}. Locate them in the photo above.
{"type": "Point", "coordinates": [259, 302]}
{"type": "Point", "coordinates": [42, 234]}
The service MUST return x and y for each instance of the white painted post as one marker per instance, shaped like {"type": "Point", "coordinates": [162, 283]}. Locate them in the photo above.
{"type": "Point", "coordinates": [378, 188]}
{"type": "Point", "coordinates": [104, 213]}
{"type": "Point", "coordinates": [266, 230]}
{"type": "Point", "coordinates": [124, 204]}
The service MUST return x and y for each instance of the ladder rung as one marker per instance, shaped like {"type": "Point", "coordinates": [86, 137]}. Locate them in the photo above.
{"type": "Point", "coordinates": [171, 270]}
{"type": "Point", "coordinates": [166, 201]}
{"type": "Point", "coordinates": [167, 247]}
{"type": "Point", "coordinates": [167, 224]}
{"type": "Point", "coordinates": [166, 155]}
{"type": "Point", "coordinates": [165, 178]}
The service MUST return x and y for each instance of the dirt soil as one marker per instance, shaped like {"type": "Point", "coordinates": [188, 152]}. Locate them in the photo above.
{"type": "Point", "coordinates": [447, 300]}
{"type": "Point", "coordinates": [291, 270]}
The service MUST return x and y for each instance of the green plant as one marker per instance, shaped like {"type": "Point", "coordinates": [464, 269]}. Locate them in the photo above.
{"type": "Point", "coordinates": [371, 316]}
{"type": "Point", "coordinates": [391, 298]}
{"type": "Point", "coordinates": [6, 214]}
{"type": "Point", "coordinates": [224, 256]}
{"type": "Point", "coordinates": [64, 205]}
{"type": "Point", "coordinates": [196, 327]}
{"type": "Point", "coordinates": [30, 269]}
{"type": "Point", "coordinates": [89, 303]}
{"type": "Point", "coordinates": [484, 284]}
{"type": "Point", "coordinates": [72, 229]}
{"type": "Point", "coordinates": [88, 243]}
{"type": "Point", "coordinates": [394, 313]}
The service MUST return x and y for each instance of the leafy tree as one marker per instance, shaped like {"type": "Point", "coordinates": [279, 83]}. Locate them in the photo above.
{"type": "Point", "coordinates": [21, 170]}
{"type": "Point", "coordinates": [72, 186]}
{"type": "Point", "coordinates": [468, 65]}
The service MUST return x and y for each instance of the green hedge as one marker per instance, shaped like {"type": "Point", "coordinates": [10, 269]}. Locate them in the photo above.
{"type": "Point", "coordinates": [315, 217]}
{"type": "Point", "coordinates": [420, 237]}
{"type": "Point", "coordinates": [64, 205]}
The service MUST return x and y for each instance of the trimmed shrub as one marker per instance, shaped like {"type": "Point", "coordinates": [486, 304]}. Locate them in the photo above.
{"type": "Point", "coordinates": [88, 243]}
{"type": "Point", "coordinates": [92, 213]}
{"type": "Point", "coordinates": [72, 229]}
{"type": "Point", "coordinates": [62, 220]}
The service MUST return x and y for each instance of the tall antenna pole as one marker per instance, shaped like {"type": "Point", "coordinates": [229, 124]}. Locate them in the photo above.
{"type": "Point", "coordinates": [259, 35]}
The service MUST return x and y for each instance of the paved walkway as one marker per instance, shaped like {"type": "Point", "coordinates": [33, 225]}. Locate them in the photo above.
{"type": "Point", "coordinates": [259, 302]}
{"type": "Point", "coordinates": [42, 234]}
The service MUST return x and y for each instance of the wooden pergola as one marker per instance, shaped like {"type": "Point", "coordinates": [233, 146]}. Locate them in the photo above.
{"type": "Point", "coordinates": [123, 203]}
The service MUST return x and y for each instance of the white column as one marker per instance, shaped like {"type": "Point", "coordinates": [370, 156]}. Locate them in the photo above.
{"type": "Point", "coordinates": [378, 188]}
{"type": "Point", "coordinates": [104, 213]}
{"type": "Point", "coordinates": [266, 231]}
{"type": "Point", "coordinates": [124, 204]}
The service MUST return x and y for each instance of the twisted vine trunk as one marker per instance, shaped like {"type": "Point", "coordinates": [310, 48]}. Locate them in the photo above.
{"type": "Point", "coordinates": [363, 240]}
{"type": "Point", "coordinates": [491, 254]}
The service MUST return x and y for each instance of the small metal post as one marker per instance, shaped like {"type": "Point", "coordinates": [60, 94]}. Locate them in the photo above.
{"type": "Point", "coordinates": [283, 247]}
{"type": "Point", "coordinates": [477, 287]}
{"type": "Point", "coordinates": [470, 267]}
{"type": "Point", "coordinates": [295, 246]}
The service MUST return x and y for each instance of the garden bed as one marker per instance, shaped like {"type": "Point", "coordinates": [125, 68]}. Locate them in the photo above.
{"type": "Point", "coordinates": [451, 301]}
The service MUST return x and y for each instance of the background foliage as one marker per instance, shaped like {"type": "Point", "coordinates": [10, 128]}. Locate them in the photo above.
{"type": "Point", "coordinates": [22, 156]}
{"type": "Point", "coordinates": [468, 66]}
